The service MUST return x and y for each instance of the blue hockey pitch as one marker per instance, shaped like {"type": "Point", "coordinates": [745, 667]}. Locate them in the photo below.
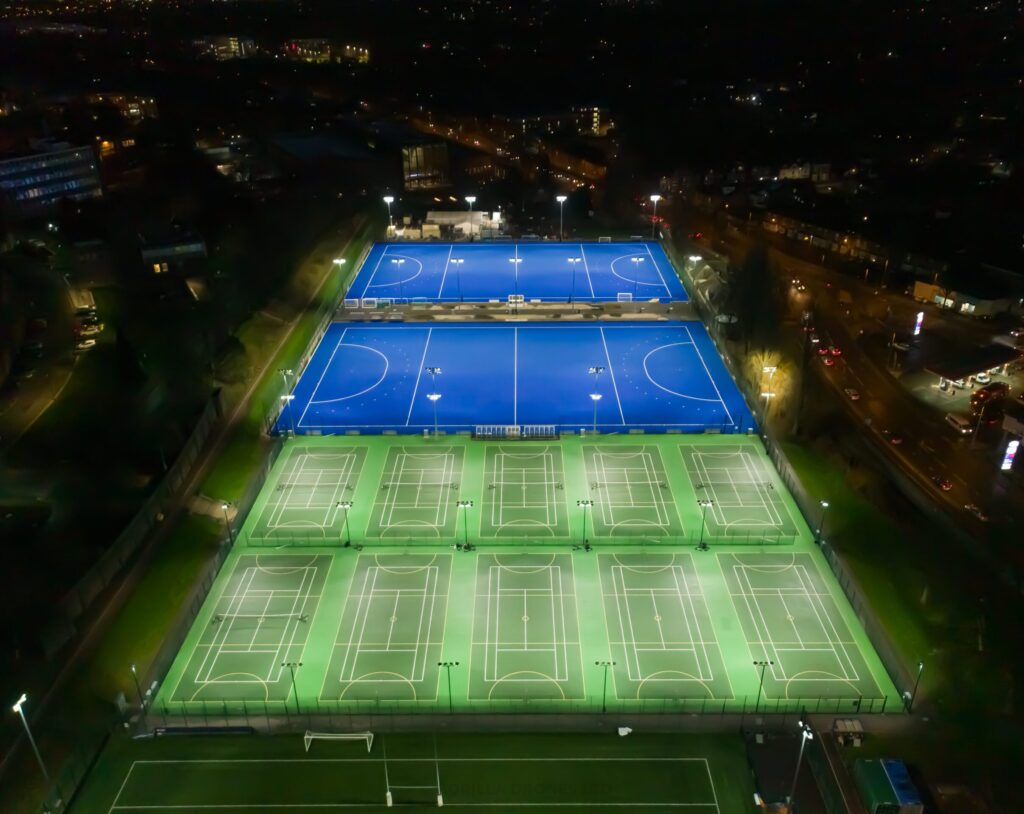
{"type": "Point", "coordinates": [550, 272]}
{"type": "Point", "coordinates": [656, 376]}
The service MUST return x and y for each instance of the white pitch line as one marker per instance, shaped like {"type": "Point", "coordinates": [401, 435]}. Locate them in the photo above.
{"type": "Point", "coordinates": [445, 275]}
{"type": "Point", "coordinates": [708, 372]}
{"type": "Point", "coordinates": [330, 361]}
{"type": "Point", "coordinates": [611, 373]}
{"type": "Point", "coordinates": [586, 268]}
{"type": "Point", "coordinates": [416, 387]}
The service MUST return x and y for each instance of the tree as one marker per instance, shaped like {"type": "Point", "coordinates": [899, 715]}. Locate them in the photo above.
{"type": "Point", "coordinates": [755, 297]}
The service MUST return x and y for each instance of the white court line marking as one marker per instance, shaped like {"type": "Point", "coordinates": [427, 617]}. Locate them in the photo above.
{"type": "Point", "coordinates": [669, 390]}
{"type": "Point", "coordinates": [416, 387]}
{"type": "Point", "coordinates": [708, 372]}
{"type": "Point", "coordinates": [515, 376]}
{"type": "Point", "coordinates": [445, 275]}
{"type": "Point", "coordinates": [369, 281]}
{"type": "Point", "coordinates": [657, 268]}
{"type": "Point", "coordinates": [323, 373]}
{"type": "Point", "coordinates": [586, 268]}
{"type": "Point", "coordinates": [611, 373]}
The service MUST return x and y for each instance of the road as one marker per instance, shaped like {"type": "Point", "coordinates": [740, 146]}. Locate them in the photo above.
{"type": "Point", "coordinates": [929, 447]}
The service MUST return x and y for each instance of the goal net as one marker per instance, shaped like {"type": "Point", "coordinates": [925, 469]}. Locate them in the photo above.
{"type": "Point", "coordinates": [604, 239]}
{"type": "Point", "coordinates": [624, 296]}
{"type": "Point", "coordinates": [513, 432]}
{"type": "Point", "coordinates": [310, 736]}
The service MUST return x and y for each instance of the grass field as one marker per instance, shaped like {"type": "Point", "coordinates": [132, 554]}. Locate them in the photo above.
{"type": "Point", "coordinates": [705, 774]}
{"type": "Point", "coordinates": [326, 627]}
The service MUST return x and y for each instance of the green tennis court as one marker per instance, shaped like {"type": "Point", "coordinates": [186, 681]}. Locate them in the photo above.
{"type": "Point", "coordinates": [744, 498]}
{"type": "Point", "coordinates": [260, 621]}
{"type": "Point", "coordinates": [630, 492]}
{"type": "Point", "coordinates": [417, 494]}
{"type": "Point", "coordinates": [525, 493]}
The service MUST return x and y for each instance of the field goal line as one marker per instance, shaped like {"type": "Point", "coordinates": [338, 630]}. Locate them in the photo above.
{"type": "Point", "coordinates": [311, 736]}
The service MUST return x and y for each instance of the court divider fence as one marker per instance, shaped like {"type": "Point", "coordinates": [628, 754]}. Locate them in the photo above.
{"type": "Point", "coordinates": [811, 511]}
{"type": "Point", "coordinates": [645, 544]}
{"type": "Point", "coordinates": [281, 716]}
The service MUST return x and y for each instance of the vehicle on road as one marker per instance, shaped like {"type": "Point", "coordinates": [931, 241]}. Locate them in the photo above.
{"type": "Point", "coordinates": [835, 351]}
{"type": "Point", "coordinates": [85, 344]}
{"type": "Point", "coordinates": [895, 438]}
{"type": "Point", "coordinates": [982, 378]}
{"type": "Point", "coordinates": [852, 393]}
{"type": "Point", "coordinates": [828, 360]}
{"type": "Point", "coordinates": [960, 423]}
{"type": "Point", "coordinates": [976, 511]}
{"type": "Point", "coordinates": [945, 484]}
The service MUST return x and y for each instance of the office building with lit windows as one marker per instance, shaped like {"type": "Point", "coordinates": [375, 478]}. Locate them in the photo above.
{"type": "Point", "coordinates": [32, 185]}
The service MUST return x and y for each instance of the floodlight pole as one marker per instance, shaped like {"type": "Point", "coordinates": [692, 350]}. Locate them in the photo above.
{"type": "Point", "coordinates": [595, 397]}
{"type": "Point", "coordinates": [763, 664]}
{"type": "Point", "coordinates": [227, 522]}
{"type": "Point", "coordinates": [434, 398]}
{"type": "Point", "coordinates": [561, 207]}
{"type": "Point", "coordinates": [345, 505]}
{"type": "Point", "coordinates": [19, 708]}
{"type": "Point", "coordinates": [604, 692]}
{"type": "Point", "coordinates": [654, 217]}
{"type": "Point", "coordinates": [458, 261]}
{"type": "Point", "coordinates": [636, 274]}
{"type": "Point", "coordinates": [434, 373]}
{"type": "Point", "coordinates": [399, 261]}
{"type": "Point", "coordinates": [917, 683]}
{"type": "Point", "coordinates": [572, 291]}
{"type": "Point", "coordinates": [291, 665]}
{"type": "Point", "coordinates": [138, 688]}
{"type": "Point", "coordinates": [806, 734]}
{"type": "Point", "coordinates": [821, 523]}
{"type": "Point", "coordinates": [448, 667]}
{"type": "Point", "coordinates": [704, 504]}
{"type": "Point", "coordinates": [287, 399]}
{"type": "Point", "coordinates": [585, 504]}
{"type": "Point", "coordinates": [471, 199]}
{"type": "Point", "coordinates": [389, 199]}
{"type": "Point", "coordinates": [464, 506]}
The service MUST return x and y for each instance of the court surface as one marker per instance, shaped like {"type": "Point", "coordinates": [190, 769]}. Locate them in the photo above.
{"type": "Point", "coordinates": [742, 491]}
{"type": "Point", "coordinates": [525, 492]}
{"type": "Point", "coordinates": [374, 378]}
{"type": "Point", "coordinates": [550, 272]}
{"type": "Point", "coordinates": [703, 774]}
{"type": "Point", "coordinates": [260, 621]}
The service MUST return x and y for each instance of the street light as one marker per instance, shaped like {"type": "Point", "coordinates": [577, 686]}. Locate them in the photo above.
{"type": "Point", "coordinates": [434, 398]}
{"type": "Point", "coordinates": [763, 664]}
{"type": "Point", "coordinates": [389, 199]}
{"type": "Point", "coordinates": [291, 665]}
{"type": "Point", "coordinates": [227, 522]}
{"type": "Point", "coordinates": [704, 505]}
{"type": "Point", "coordinates": [471, 199]}
{"type": "Point", "coordinates": [585, 504]}
{"type": "Point", "coordinates": [339, 261]}
{"type": "Point", "coordinates": [604, 692]}
{"type": "Point", "coordinates": [138, 688]}
{"type": "Point", "coordinates": [654, 217]}
{"type": "Point", "coordinates": [287, 399]}
{"type": "Point", "coordinates": [448, 666]}
{"type": "Point", "coordinates": [464, 506]}
{"type": "Point", "coordinates": [561, 206]}
{"type": "Point", "coordinates": [572, 264]}
{"type": "Point", "coordinates": [770, 370]}
{"type": "Point", "coordinates": [19, 708]}
{"type": "Point", "coordinates": [917, 683]}
{"type": "Point", "coordinates": [636, 273]}
{"type": "Point", "coordinates": [806, 734]}
{"type": "Point", "coordinates": [595, 397]}
{"type": "Point", "coordinates": [345, 505]}
{"type": "Point", "coordinates": [821, 523]}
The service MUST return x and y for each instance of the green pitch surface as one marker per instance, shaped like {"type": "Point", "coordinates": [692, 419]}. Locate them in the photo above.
{"type": "Point", "coordinates": [543, 773]}
{"type": "Point", "coordinates": [400, 490]}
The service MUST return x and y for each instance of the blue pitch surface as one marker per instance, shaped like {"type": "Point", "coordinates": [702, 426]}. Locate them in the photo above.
{"type": "Point", "coordinates": [657, 377]}
{"type": "Point", "coordinates": [478, 272]}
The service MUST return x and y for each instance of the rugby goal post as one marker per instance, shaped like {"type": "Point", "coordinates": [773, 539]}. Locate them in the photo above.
{"type": "Point", "coordinates": [311, 736]}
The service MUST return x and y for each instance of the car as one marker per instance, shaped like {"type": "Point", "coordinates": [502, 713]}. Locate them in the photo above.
{"type": "Point", "coordinates": [828, 361]}
{"type": "Point", "coordinates": [895, 438]}
{"type": "Point", "coordinates": [834, 350]}
{"type": "Point", "coordinates": [815, 339]}
{"type": "Point", "coordinates": [823, 351]}
{"type": "Point", "coordinates": [90, 330]}
{"type": "Point", "coordinates": [976, 511]}
{"type": "Point", "coordinates": [1016, 333]}
{"type": "Point", "coordinates": [852, 394]}
{"type": "Point", "coordinates": [982, 378]}
{"type": "Point", "coordinates": [945, 484]}
{"type": "Point", "coordinates": [801, 287]}
{"type": "Point", "coordinates": [85, 344]}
